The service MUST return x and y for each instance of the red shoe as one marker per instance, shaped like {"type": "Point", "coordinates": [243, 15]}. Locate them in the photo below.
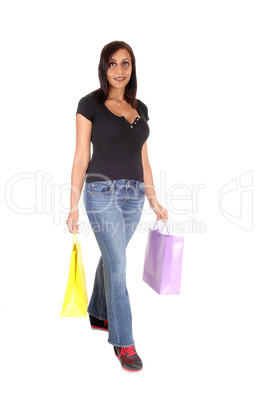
{"type": "Point", "coordinates": [129, 359]}
{"type": "Point", "coordinates": [98, 324]}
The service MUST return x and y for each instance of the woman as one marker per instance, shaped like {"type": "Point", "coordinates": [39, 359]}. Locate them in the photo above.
{"type": "Point", "coordinates": [117, 179]}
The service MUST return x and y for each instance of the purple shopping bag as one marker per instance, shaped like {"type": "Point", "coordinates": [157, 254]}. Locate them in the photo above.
{"type": "Point", "coordinates": [163, 262]}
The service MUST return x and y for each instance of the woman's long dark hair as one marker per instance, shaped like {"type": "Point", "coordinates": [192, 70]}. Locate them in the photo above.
{"type": "Point", "coordinates": [131, 88]}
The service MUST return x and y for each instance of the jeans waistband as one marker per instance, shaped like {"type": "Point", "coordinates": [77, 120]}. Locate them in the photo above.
{"type": "Point", "coordinates": [119, 182]}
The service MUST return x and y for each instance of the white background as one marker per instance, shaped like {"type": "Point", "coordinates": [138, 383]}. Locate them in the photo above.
{"type": "Point", "coordinates": [197, 73]}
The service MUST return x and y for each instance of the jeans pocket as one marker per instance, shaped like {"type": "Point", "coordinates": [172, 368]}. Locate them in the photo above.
{"type": "Point", "coordinates": [141, 189]}
{"type": "Point", "coordinates": [103, 187]}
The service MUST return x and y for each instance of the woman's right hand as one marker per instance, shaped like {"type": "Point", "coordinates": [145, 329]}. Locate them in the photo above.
{"type": "Point", "coordinates": [72, 221]}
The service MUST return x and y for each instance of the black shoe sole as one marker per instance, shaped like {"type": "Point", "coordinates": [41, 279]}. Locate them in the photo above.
{"type": "Point", "coordinates": [99, 328]}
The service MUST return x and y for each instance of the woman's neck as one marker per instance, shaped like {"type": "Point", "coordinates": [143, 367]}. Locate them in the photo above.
{"type": "Point", "coordinates": [116, 93]}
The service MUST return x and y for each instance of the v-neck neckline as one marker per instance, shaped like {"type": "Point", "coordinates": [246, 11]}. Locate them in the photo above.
{"type": "Point", "coordinates": [123, 117]}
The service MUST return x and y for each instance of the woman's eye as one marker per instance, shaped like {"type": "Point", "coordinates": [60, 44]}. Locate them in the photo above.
{"type": "Point", "coordinates": [125, 62]}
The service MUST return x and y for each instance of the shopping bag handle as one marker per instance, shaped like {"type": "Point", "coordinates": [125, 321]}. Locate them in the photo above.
{"type": "Point", "coordinates": [74, 234]}
{"type": "Point", "coordinates": [162, 226]}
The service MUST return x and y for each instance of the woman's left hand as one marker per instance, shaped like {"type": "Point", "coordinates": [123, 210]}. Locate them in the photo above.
{"type": "Point", "coordinates": [161, 212]}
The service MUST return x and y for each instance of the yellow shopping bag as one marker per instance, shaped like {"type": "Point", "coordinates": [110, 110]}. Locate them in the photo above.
{"type": "Point", "coordinates": [75, 301]}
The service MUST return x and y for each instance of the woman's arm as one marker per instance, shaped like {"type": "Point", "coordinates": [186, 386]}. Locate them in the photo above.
{"type": "Point", "coordinates": [79, 168]}
{"type": "Point", "coordinates": [161, 213]}
{"type": "Point", "coordinates": [148, 178]}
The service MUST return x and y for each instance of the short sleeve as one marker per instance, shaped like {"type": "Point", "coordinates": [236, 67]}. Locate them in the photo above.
{"type": "Point", "coordinates": [86, 107]}
{"type": "Point", "coordinates": [145, 111]}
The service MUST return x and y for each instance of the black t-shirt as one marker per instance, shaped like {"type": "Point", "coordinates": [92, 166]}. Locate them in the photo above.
{"type": "Point", "coordinates": [117, 144]}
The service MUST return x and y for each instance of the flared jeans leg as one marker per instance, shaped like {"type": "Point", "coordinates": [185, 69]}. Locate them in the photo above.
{"type": "Point", "coordinates": [114, 210]}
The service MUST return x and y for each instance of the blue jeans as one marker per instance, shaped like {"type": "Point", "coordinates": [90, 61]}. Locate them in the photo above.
{"type": "Point", "coordinates": [114, 209]}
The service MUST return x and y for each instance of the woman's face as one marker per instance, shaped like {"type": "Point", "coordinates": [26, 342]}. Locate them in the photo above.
{"type": "Point", "coordinates": [120, 66]}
